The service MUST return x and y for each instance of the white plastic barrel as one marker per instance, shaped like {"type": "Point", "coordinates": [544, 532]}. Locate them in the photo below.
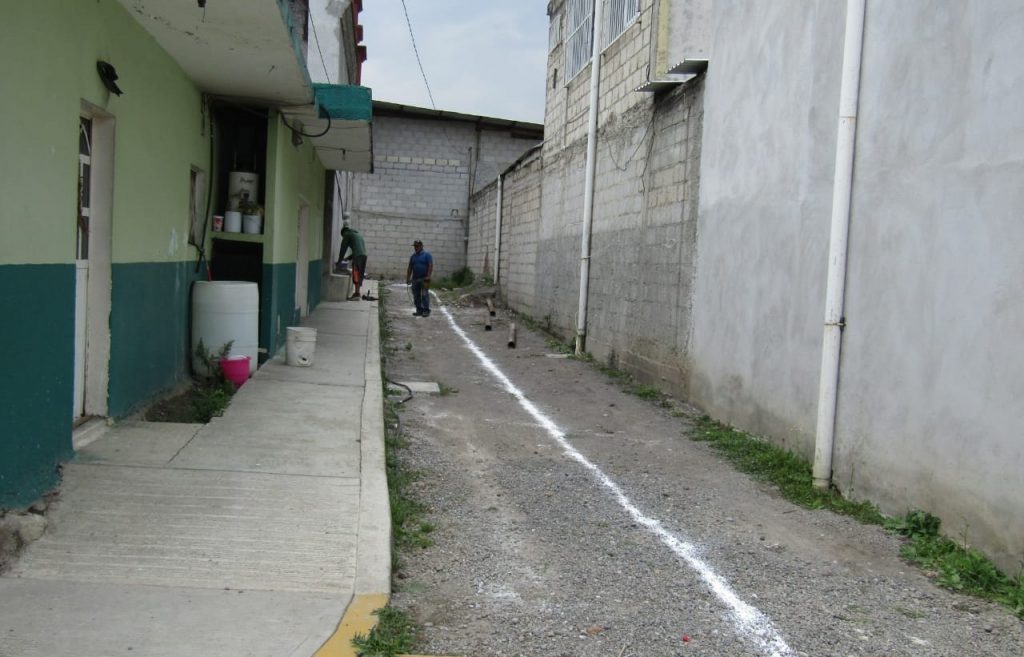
{"type": "Point", "coordinates": [300, 343]}
{"type": "Point", "coordinates": [224, 311]}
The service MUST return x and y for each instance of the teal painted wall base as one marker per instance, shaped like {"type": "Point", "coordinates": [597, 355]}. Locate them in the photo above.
{"type": "Point", "coordinates": [150, 325]}
{"type": "Point", "coordinates": [37, 304]}
{"type": "Point", "coordinates": [277, 305]}
{"type": "Point", "coordinates": [315, 282]}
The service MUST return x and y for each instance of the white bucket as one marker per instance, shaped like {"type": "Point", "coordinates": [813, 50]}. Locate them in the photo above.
{"type": "Point", "coordinates": [252, 224]}
{"type": "Point", "coordinates": [300, 345]}
{"type": "Point", "coordinates": [232, 221]}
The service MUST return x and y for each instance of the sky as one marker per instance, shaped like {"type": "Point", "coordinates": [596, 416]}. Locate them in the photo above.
{"type": "Point", "coordinates": [484, 57]}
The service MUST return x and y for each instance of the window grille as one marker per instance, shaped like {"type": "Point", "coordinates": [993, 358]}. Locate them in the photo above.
{"type": "Point", "coordinates": [621, 14]}
{"type": "Point", "coordinates": [578, 45]}
{"type": "Point", "coordinates": [554, 31]}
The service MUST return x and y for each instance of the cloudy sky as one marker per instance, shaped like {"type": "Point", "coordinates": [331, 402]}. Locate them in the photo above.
{"type": "Point", "coordinates": [480, 56]}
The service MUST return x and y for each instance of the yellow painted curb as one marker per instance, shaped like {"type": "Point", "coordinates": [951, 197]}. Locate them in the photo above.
{"type": "Point", "coordinates": [358, 619]}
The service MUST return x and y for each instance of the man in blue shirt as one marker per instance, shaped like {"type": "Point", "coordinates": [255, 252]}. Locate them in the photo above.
{"type": "Point", "coordinates": [421, 267]}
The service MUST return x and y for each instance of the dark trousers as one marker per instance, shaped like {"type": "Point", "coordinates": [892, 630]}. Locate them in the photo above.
{"type": "Point", "coordinates": [421, 296]}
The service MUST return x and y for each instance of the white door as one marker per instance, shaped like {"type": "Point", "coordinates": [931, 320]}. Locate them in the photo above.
{"type": "Point", "coordinates": [82, 261]}
{"type": "Point", "coordinates": [302, 263]}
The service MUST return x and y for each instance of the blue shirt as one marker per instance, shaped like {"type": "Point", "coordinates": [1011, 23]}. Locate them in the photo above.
{"type": "Point", "coordinates": [420, 264]}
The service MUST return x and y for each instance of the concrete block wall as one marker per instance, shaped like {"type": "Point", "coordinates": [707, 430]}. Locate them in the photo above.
{"type": "Point", "coordinates": [420, 188]}
{"type": "Point", "coordinates": [624, 67]}
{"type": "Point", "coordinates": [643, 236]}
{"type": "Point", "coordinates": [519, 244]}
{"type": "Point", "coordinates": [480, 248]}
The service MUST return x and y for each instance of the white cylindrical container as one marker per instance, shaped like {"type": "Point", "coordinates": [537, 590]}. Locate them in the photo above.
{"type": "Point", "coordinates": [242, 184]}
{"type": "Point", "coordinates": [232, 221]}
{"type": "Point", "coordinates": [300, 344]}
{"type": "Point", "coordinates": [222, 312]}
{"type": "Point", "coordinates": [252, 224]}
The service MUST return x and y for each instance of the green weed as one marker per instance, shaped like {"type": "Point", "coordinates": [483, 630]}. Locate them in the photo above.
{"type": "Point", "coordinates": [790, 473]}
{"type": "Point", "coordinates": [956, 566]}
{"type": "Point", "coordinates": [461, 278]}
{"type": "Point", "coordinates": [394, 633]}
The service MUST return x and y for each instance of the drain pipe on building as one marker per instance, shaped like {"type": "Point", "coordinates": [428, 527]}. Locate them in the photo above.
{"type": "Point", "coordinates": [588, 188]}
{"type": "Point", "coordinates": [842, 186]}
{"type": "Point", "coordinates": [497, 228]}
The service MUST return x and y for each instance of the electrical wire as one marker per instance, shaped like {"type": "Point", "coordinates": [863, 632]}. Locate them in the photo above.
{"type": "Point", "coordinates": [415, 50]}
{"type": "Point", "coordinates": [316, 40]}
{"type": "Point", "coordinates": [303, 134]}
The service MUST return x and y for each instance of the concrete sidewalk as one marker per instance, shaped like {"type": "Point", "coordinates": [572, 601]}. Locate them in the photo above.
{"type": "Point", "coordinates": [250, 535]}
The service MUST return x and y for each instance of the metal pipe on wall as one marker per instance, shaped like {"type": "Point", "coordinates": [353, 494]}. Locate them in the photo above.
{"type": "Point", "coordinates": [842, 186]}
{"type": "Point", "coordinates": [497, 229]}
{"type": "Point", "coordinates": [588, 189]}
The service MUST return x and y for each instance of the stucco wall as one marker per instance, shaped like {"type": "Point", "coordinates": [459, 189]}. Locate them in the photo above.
{"type": "Point", "coordinates": [929, 410]}
{"type": "Point", "coordinates": [765, 203]}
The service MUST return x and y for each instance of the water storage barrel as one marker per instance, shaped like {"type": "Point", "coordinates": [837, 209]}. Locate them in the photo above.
{"type": "Point", "coordinates": [224, 311]}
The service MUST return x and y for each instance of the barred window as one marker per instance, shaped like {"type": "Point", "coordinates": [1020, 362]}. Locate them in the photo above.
{"type": "Point", "coordinates": [554, 31]}
{"type": "Point", "coordinates": [621, 14]}
{"type": "Point", "coordinates": [580, 29]}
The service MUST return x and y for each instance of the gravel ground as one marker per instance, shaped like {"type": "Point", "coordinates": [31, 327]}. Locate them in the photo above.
{"type": "Point", "coordinates": [534, 554]}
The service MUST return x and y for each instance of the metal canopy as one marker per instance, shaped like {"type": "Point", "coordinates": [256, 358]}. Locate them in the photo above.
{"type": "Point", "coordinates": [690, 66]}
{"type": "Point", "coordinates": [241, 48]}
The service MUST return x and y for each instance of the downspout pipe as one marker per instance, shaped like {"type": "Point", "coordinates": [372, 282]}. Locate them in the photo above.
{"type": "Point", "coordinates": [828, 386]}
{"type": "Point", "coordinates": [588, 189]}
{"type": "Point", "coordinates": [497, 229]}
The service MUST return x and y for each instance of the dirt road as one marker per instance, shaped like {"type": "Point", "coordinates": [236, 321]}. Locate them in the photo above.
{"type": "Point", "coordinates": [573, 519]}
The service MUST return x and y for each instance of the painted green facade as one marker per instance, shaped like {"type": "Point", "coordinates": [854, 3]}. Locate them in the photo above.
{"type": "Point", "coordinates": [48, 55]}
{"type": "Point", "coordinates": [149, 331]}
{"type": "Point", "coordinates": [37, 376]}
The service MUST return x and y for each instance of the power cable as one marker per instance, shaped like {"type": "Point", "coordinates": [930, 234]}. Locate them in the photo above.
{"type": "Point", "coordinates": [316, 40]}
{"type": "Point", "coordinates": [415, 50]}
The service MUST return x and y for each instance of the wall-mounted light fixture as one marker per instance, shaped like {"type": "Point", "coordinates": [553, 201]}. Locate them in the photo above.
{"type": "Point", "coordinates": [109, 76]}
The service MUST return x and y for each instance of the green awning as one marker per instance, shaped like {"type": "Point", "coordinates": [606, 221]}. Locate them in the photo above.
{"type": "Point", "coordinates": [343, 101]}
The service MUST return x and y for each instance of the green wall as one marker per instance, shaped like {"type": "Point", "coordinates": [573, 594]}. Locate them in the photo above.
{"type": "Point", "coordinates": [157, 132]}
{"type": "Point", "coordinates": [149, 331]}
{"type": "Point", "coordinates": [48, 55]}
{"type": "Point", "coordinates": [37, 376]}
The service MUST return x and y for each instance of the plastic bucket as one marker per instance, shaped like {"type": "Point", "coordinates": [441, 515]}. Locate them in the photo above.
{"type": "Point", "coordinates": [235, 369]}
{"type": "Point", "coordinates": [232, 221]}
{"type": "Point", "coordinates": [252, 224]}
{"type": "Point", "coordinates": [300, 344]}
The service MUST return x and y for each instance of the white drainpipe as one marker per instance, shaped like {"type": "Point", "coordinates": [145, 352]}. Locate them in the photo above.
{"type": "Point", "coordinates": [841, 190]}
{"type": "Point", "coordinates": [497, 230]}
{"type": "Point", "coordinates": [588, 189]}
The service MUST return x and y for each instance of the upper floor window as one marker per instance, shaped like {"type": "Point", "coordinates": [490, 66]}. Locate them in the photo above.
{"type": "Point", "coordinates": [579, 26]}
{"type": "Point", "coordinates": [621, 14]}
{"type": "Point", "coordinates": [554, 31]}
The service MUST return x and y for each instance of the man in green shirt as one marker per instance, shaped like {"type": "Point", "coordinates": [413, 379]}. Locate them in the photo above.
{"type": "Point", "coordinates": [351, 239]}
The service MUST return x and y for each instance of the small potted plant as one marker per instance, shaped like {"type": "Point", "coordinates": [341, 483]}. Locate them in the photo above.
{"type": "Point", "coordinates": [252, 216]}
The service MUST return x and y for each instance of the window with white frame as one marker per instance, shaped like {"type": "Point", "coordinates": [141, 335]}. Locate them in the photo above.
{"type": "Point", "coordinates": [554, 31]}
{"type": "Point", "coordinates": [621, 14]}
{"type": "Point", "coordinates": [579, 24]}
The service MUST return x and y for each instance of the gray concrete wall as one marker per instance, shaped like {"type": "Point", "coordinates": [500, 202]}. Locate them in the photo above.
{"type": "Point", "coordinates": [929, 411]}
{"type": "Point", "coordinates": [765, 203]}
{"type": "Point", "coordinates": [420, 188]}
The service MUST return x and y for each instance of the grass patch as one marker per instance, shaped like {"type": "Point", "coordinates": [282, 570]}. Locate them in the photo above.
{"type": "Point", "coordinates": [394, 633]}
{"type": "Point", "coordinates": [446, 389]}
{"type": "Point", "coordinates": [407, 527]}
{"type": "Point", "coordinates": [461, 278]}
{"type": "Point", "coordinates": [790, 473]}
{"type": "Point", "coordinates": [956, 566]}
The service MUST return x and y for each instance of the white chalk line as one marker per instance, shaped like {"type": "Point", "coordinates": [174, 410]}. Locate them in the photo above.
{"type": "Point", "coordinates": [748, 620]}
